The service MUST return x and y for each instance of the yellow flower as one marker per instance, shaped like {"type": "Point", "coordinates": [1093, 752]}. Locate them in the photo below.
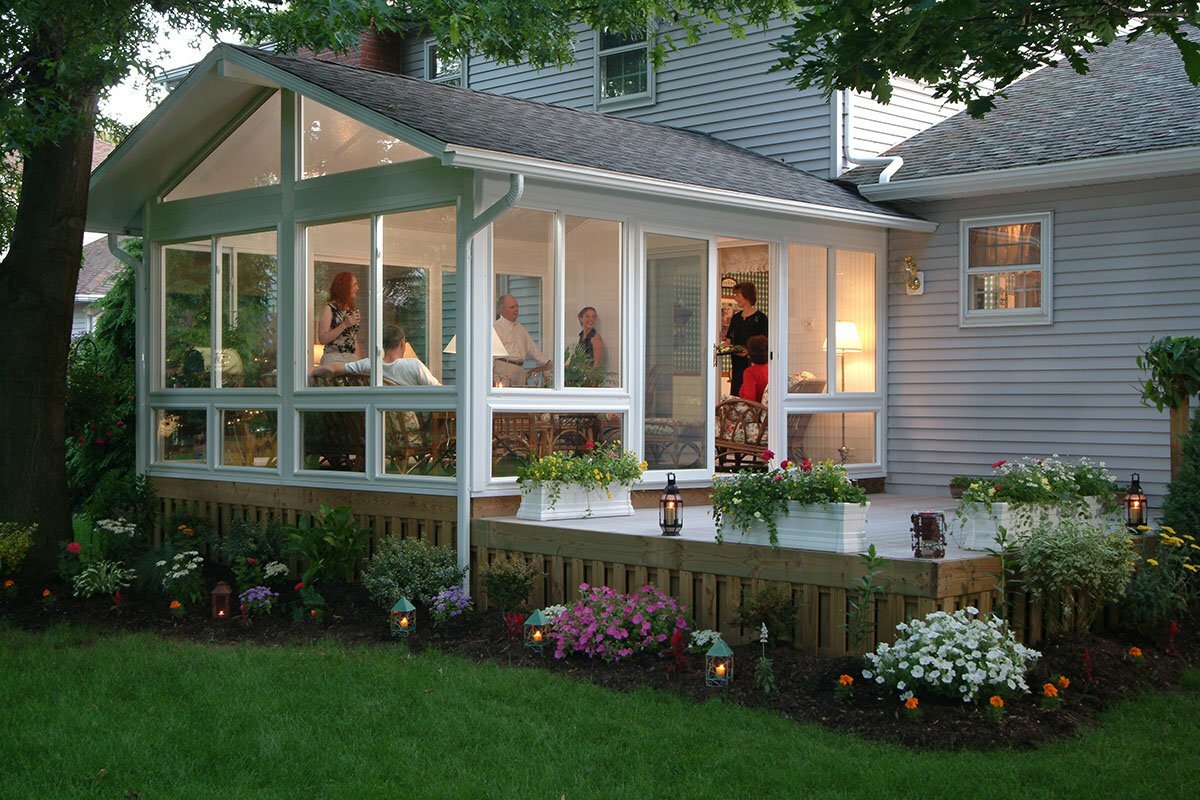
{"type": "Point", "coordinates": [1189, 538]}
{"type": "Point", "coordinates": [1169, 529]}
{"type": "Point", "coordinates": [1190, 567]}
{"type": "Point", "coordinates": [1152, 562]}
{"type": "Point", "coordinates": [1143, 527]}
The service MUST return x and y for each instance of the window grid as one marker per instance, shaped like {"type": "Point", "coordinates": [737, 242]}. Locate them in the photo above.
{"type": "Point", "coordinates": [623, 67]}
{"type": "Point", "coordinates": [1006, 269]}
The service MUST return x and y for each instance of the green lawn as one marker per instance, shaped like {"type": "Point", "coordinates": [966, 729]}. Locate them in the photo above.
{"type": "Point", "coordinates": [89, 716]}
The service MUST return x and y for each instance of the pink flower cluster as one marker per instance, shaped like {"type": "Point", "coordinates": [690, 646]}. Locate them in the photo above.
{"type": "Point", "coordinates": [609, 625]}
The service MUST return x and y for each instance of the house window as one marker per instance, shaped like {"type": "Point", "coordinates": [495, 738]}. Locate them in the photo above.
{"type": "Point", "coordinates": [1006, 276]}
{"type": "Point", "coordinates": [622, 70]}
{"type": "Point", "coordinates": [441, 68]}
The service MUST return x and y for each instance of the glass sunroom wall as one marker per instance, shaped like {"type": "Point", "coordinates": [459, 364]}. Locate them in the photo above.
{"type": "Point", "coordinates": [249, 309]}
{"type": "Point", "coordinates": [418, 287]}
{"type": "Point", "coordinates": [187, 314]}
{"type": "Point", "coordinates": [854, 327]}
{"type": "Point", "coordinates": [523, 264]}
{"type": "Point", "coordinates": [593, 295]}
{"type": "Point", "coordinates": [246, 158]}
{"type": "Point", "coordinates": [339, 264]}
{"type": "Point", "coordinates": [843, 438]}
{"type": "Point", "coordinates": [808, 267]}
{"type": "Point", "coordinates": [331, 142]}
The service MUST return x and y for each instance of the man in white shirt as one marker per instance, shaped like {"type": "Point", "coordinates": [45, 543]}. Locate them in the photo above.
{"type": "Point", "coordinates": [396, 368]}
{"type": "Point", "coordinates": [510, 370]}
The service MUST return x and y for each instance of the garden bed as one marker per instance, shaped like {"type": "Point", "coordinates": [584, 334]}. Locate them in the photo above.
{"type": "Point", "coordinates": [805, 682]}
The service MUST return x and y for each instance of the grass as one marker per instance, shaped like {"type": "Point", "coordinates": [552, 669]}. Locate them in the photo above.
{"type": "Point", "coordinates": [95, 716]}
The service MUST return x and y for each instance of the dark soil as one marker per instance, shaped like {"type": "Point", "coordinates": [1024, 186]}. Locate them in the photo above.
{"type": "Point", "coordinates": [805, 683]}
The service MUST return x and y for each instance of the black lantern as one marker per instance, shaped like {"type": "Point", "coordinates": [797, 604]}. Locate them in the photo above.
{"type": "Point", "coordinates": [1135, 503]}
{"type": "Point", "coordinates": [670, 508]}
{"type": "Point", "coordinates": [220, 600]}
{"type": "Point", "coordinates": [929, 534]}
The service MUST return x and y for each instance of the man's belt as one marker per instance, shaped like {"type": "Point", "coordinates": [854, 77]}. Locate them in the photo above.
{"type": "Point", "coordinates": [517, 362]}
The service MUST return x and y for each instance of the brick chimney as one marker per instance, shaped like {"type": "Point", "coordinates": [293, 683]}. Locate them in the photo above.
{"type": "Point", "coordinates": [381, 51]}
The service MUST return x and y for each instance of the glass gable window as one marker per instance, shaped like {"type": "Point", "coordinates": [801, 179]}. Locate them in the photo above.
{"type": "Point", "coordinates": [332, 142]}
{"type": "Point", "coordinates": [622, 69]}
{"type": "Point", "coordinates": [1006, 270]}
{"type": "Point", "coordinates": [248, 157]}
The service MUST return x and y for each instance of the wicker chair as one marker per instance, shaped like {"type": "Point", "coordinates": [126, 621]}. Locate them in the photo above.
{"type": "Point", "coordinates": [741, 435]}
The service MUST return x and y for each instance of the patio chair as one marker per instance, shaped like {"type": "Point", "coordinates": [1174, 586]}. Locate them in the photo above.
{"type": "Point", "coordinates": [741, 435]}
{"type": "Point", "coordinates": [341, 436]}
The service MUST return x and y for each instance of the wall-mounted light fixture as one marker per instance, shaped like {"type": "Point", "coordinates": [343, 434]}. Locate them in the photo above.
{"type": "Point", "coordinates": [914, 279]}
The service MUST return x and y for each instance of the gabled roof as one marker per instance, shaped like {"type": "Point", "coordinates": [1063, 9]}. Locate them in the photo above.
{"type": "Point", "coordinates": [1135, 101]}
{"type": "Point", "coordinates": [444, 119]}
{"type": "Point", "coordinates": [99, 272]}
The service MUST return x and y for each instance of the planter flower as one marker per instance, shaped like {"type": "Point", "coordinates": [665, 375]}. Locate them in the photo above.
{"type": "Point", "coordinates": [1029, 492]}
{"type": "Point", "coordinates": [800, 504]}
{"type": "Point", "coordinates": [594, 483]}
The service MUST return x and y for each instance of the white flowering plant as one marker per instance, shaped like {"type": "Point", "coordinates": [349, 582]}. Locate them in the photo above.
{"type": "Point", "coordinates": [1046, 481]}
{"type": "Point", "coordinates": [181, 575]}
{"type": "Point", "coordinates": [955, 655]}
{"type": "Point", "coordinates": [701, 641]}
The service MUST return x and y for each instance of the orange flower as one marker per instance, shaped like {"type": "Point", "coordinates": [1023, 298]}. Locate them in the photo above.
{"type": "Point", "coordinates": [46, 592]}
{"type": "Point", "coordinates": [1050, 690]}
{"type": "Point", "coordinates": [845, 680]}
{"type": "Point", "coordinates": [1063, 682]}
{"type": "Point", "coordinates": [8, 584]}
{"type": "Point", "coordinates": [997, 701]}
{"type": "Point", "coordinates": [176, 605]}
{"type": "Point", "coordinates": [1134, 652]}
{"type": "Point", "coordinates": [912, 703]}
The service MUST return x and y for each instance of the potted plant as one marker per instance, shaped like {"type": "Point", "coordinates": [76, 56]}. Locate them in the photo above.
{"type": "Point", "coordinates": [1029, 492]}
{"type": "Point", "coordinates": [594, 483]}
{"type": "Point", "coordinates": [799, 504]}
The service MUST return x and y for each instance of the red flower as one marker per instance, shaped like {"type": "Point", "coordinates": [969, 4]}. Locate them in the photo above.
{"type": "Point", "coordinates": [299, 586]}
{"type": "Point", "coordinates": [784, 464]}
{"type": "Point", "coordinates": [1000, 463]}
{"type": "Point", "coordinates": [768, 454]}
{"type": "Point", "coordinates": [73, 548]}
{"type": "Point", "coordinates": [251, 560]}
{"type": "Point", "coordinates": [805, 465]}
{"type": "Point", "coordinates": [590, 446]}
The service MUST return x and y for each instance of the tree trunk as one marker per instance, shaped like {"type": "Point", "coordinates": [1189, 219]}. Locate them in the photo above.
{"type": "Point", "coordinates": [37, 282]}
{"type": "Point", "coordinates": [1179, 429]}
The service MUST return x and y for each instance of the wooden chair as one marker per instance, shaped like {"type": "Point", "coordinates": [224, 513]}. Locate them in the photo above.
{"type": "Point", "coordinates": [741, 437]}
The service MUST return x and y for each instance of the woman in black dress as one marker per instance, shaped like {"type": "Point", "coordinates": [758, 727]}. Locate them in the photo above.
{"type": "Point", "coordinates": [747, 321]}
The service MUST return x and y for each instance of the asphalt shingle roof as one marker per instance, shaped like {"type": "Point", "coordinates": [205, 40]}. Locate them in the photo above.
{"type": "Point", "coordinates": [1136, 98]}
{"type": "Point", "coordinates": [99, 271]}
{"type": "Point", "coordinates": [510, 125]}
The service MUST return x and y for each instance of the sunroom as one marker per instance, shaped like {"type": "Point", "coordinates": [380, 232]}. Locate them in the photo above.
{"type": "Point", "coordinates": [266, 185]}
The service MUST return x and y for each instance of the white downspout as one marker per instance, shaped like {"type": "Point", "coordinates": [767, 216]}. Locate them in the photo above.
{"type": "Point", "coordinates": [891, 164]}
{"type": "Point", "coordinates": [466, 357]}
{"type": "Point", "coordinates": [140, 381]}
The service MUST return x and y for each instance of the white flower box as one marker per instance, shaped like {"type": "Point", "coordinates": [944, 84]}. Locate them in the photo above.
{"type": "Point", "coordinates": [978, 527]}
{"type": "Point", "coordinates": [828, 527]}
{"type": "Point", "coordinates": [574, 502]}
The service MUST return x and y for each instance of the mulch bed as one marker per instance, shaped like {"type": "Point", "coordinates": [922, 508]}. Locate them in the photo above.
{"type": "Point", "coordinates": [805, 683]}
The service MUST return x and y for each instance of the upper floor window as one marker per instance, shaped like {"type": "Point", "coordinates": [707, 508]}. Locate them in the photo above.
{"type": "Point", "coordinates": [1006, 274]}
{"type": "Point", "coordinates": [441, 68]}
{"type": "Point", "coordinates": [622, 69]}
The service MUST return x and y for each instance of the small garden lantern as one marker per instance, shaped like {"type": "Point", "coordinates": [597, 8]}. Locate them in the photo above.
{"type": "Point", "coordinates": [670, 508]}
{"type": "Point", "coordinates": [221, 600]}
{"type": "Point", "coordinates": [1135, 503]}
{"type": "Point", "coordinates": [718, 664]}
{"type": "Point", "coordinates": [929, 534]}
{"type": "Point", "coordinates": [537, 631]}
{"type": "Point", "coordinates": [404, 618]}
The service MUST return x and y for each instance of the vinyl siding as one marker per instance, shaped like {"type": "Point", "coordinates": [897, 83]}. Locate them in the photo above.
{"type": "Point", "coordinates": [911, 110]}
{"type": "Point", "coordinates": [1126, 269]}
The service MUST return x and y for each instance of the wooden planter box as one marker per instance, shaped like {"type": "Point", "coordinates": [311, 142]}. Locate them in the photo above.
{"type": "Point", "coordinates": [982, 524]}
{"type": "Point", "coordinates": [830, 528]}
{"type": "Point", "coordinates": [575, 503]}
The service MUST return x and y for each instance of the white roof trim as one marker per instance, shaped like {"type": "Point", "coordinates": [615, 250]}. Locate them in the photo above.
{"type": "Point", "coordinates": [1107, 169]}
{"type": "Point", "coordinates": [475, 158]}
{"type": "Point", "coordinates": [87, 298]}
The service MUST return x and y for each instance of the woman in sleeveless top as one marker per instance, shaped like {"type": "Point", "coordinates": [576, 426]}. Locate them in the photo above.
{"type": "Point", "coordinates": [747, 321]}
{"type": "Point", "coordinates": [590, 340]}
{"type": "Point", "coordinates": [340, 320]}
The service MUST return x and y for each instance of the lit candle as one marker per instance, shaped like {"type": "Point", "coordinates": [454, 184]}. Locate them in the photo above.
{"type": "Point", "coordinates": [721, 669]}
{"type": "Point", "coordinates": [669, 513]}
{"type": "Point", "coordinates": [221, 613]}
{"type": "Point", "coordinates": [404, 622]}
{"type": "Point", "coordinates": [537, 635]}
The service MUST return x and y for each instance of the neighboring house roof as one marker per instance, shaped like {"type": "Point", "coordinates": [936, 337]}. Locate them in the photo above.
{"type": "Point", "coordinates": [99, 272]}
{"type": "Point", "coordinates": [100, 150]}
{"type": "Point", "coordinates": [1135, 100]}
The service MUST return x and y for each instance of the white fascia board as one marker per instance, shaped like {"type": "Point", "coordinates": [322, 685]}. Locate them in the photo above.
{"type": "Point", "coordinates": [490, 160]}
{"type": "Point", "coordinates": [88, 298]}
{"type": "Point", "coordinates": [286, 80]}
{"type": "Point", "coordinates": [1108, 169]}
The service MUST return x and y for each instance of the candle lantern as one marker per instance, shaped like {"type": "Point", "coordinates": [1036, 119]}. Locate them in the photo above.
{"type": "Point", "coordinates": [929, 534]}
{"type": "Point", "coordinates": [221, 600]}
{"type": "Point", "coordinates": [404, 618]}
{"type": "Point", "coordinates": [718, 664]}
{"type": "Point", "coordinates": [670, 508]}
{"type": "Point", "coordinates": [1135, 503]}
{"type": "Point", "coordinates": [537, 631]}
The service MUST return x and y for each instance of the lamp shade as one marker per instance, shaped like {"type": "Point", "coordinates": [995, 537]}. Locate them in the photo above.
{"type": "Point", "coordinates": [498, 349]}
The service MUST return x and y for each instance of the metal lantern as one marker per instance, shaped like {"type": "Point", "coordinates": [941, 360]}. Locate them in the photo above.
{"type": "Point", "coordinates": [718, 664]}
{"type": "Point", "coordinates": [404, 618]}
{"type": "Point", "coordinates": [1135, 503]}
{"type": "Point", "coordinates": [670, 508]}
{"type": "Point", "coordinates": [220, 600]}
{"type": "Point", "coordinates": [929, 534]}
{"type": "Point", "coordinates": [537, 631]}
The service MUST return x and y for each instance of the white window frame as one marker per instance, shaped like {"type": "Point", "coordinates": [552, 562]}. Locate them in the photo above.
{"type": "Point", "coordinates": [968, 317]}
{"type": "Point", "coordinates": [430, 61]}
{"type": "Point", "coordinates": [624, 101]}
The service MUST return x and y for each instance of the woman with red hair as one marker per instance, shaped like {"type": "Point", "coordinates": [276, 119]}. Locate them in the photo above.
{"type": "Point", "coordinates": [338, 326]}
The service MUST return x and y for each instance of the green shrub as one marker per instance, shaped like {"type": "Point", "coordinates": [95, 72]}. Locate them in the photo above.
{"type": "Point", "coordinates": [15, 543]}
{"type": "Point", "coordinates": [257, 553]}
{"type": "Point", "coordinates": [508, 579]}
{"type": "Point", "coordinates": [124, 495]}
{"type": "Point", "coordinates": [1165, 585]}
{"type": "Point", "coordinates": [771, 606]}
{"type": "Point", "coordinates": [410, 568]}
{"type": "Point", "coordinates": [331, 542]}
{"type": "Point", "coordinates": [1075, 569]}
{"type": "Point", "coordinates": [1181, 506]}
{"type": "Point", "coordinates": [102, 577]}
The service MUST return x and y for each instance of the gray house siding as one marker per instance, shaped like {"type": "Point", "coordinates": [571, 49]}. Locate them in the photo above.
{"type": "Point", "coordinates": [911, 110]}
{"type": "Point", "coordinates": [1126, 269]}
